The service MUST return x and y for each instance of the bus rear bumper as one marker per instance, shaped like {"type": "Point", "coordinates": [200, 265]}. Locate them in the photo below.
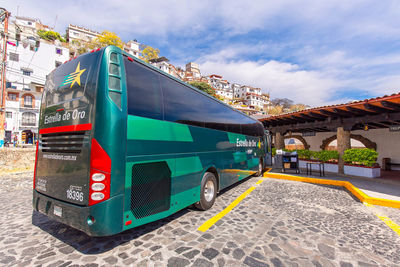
{"type": "Point", "coordinates": [107, 215]}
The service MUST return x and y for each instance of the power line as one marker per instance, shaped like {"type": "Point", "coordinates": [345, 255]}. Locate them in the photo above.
{"type": "Point", "coordinates": [16, 71]}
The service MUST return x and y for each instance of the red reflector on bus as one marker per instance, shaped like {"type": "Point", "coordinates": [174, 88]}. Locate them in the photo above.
{"type": "Point", "coordinates": [60, 109]}
{"type": "Point", "coordinates": [92, 51]}
{"type": "Point", "coordinates": [98, 49]}
{"type": "Point", "coordinates": [130, 59]}
{"type": "Point", "coordinates": [99, 159]}
{"type": "Point", "coordinates": [128, 222]}
{"type": "Point", "coordinates": [100, 167]}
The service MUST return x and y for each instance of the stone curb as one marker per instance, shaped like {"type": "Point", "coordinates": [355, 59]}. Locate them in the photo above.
{"type": "Point", "coordinates": [364, 198]}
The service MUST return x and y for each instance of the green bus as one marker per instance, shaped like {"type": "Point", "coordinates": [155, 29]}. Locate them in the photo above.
{"type": "Point", "coordinates": [122, 144]}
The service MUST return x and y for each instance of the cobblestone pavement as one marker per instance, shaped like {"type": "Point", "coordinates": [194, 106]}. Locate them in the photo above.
{"type": "Point", "coordinates": [281, 223]}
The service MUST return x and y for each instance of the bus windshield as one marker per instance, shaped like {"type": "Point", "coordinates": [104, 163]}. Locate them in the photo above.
{"type": "Point", "coordinates": [70, 89]}
{"type": "Point", "coordinates": [72, 81]}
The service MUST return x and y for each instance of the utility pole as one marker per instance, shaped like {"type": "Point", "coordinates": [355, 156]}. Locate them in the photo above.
{"type": "Point", "coordinates": [4, 16]}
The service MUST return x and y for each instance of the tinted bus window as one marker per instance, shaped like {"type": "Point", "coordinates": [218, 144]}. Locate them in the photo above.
{"type": "Point", "coordinates": [144, 92]}
{"type": "Point", "coordinates": [182, 104]}
{"type": "Point", "coordinates": [185, 105]}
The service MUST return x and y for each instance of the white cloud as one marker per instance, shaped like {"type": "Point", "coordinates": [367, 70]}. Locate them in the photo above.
{"type": "Point", "coordinates": [309, 51]}
{"type": "Point", "coordinates": [160, 17]}
{"type": "Point", "coordinates": [282, 80]}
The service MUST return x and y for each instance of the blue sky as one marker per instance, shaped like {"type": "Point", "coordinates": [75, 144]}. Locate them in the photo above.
{"type": "Point", "coordinates": [313, 52]}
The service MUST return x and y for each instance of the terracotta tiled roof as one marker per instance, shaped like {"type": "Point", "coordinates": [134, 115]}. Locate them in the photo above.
{"type": "Point", "coordinates": [374, 105]}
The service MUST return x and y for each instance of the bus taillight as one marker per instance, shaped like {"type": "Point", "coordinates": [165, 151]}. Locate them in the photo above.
{"type": "Point", "coordinates": [34, 170]}
{"type": "Point", "coordinates": [100, 172]}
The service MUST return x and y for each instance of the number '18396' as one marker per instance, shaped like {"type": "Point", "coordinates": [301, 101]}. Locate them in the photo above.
{"type": "Point", "coordinates": [75, 195]}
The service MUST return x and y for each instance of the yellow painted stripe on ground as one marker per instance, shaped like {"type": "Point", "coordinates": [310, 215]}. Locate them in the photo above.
{"type": "Point", "coordinates": [395, 227]}
{"type": "Point", "coordinates": [260, 181]}
{"type": "Point", "coordinates": [364, 198]}
{"type": "Point", "coordinates": [390, 223]}
{"type": "Point", "coordinates": [205, 226]}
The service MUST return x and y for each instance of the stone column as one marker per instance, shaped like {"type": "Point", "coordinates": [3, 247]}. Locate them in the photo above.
{"type": "Point", "coordinates": [279, 141]}
{"type": "Point", "coordinates": [343, 143]}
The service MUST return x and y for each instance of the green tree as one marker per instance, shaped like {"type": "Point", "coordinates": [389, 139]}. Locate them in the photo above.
{"type": "Point", "coordinates": [150, 53]}
{"type": "Point", "coordinates": [205, 87]}
{"type": "Point", "coordinates": [107, 38]}
{"type": "Point", "coordinates": [50, 35]}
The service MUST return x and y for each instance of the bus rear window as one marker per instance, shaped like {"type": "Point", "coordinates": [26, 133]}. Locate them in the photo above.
{"type": "Point", "coordinates": [73, 80]}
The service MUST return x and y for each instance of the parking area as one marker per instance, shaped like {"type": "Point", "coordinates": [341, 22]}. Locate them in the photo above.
{"type": "Point", "coordinates": [279, 223]}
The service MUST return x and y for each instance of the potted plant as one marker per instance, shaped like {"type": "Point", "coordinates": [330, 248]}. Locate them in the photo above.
{"type": "Point", "coordinates": [361, 162]}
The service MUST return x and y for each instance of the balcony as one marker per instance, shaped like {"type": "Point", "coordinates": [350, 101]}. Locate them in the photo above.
{"type": "Point", "coordinates": [31, 107]}
{"type": "Point", "coordinates": [28, 124]}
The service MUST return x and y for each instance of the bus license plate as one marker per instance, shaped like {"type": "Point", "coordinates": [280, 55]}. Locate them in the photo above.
{"type": "Point", "coordinates": [58, 211]}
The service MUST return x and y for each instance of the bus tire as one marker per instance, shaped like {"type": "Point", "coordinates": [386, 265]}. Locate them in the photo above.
{"type": "Point", "coordinates": [208, 191]}
{"type": "Point", "coordinates": [260, 167]}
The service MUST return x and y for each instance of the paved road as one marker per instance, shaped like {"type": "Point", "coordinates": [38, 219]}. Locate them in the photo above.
{"type": "Point", "coordinates": [281, 223]}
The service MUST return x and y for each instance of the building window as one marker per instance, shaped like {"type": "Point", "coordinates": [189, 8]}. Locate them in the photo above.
{"type": "Point", "coordinates": [26, 72]}
{"type": "Point", "coordinates": [29, 23]}
{"type": "Point", "coordinates": [58, 63]}
{"type": "Point", "coordinates": [12, 97]}
{"type": "Point", "coordinates": [14, 57]}
{"type": "Point", "coordinates": [8, 115]}
{"type": "Point", "coordinates": [58, 51]}
{"type": "Point", "coordinates": [28, 119]}
{"type": "Point", "coordinates": [28, 101]}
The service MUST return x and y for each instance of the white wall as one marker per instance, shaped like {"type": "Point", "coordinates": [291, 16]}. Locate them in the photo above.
{"type": "Point", "coordinates": [42, 62]}
{"type": "Point", "coordinates": [388, 143]}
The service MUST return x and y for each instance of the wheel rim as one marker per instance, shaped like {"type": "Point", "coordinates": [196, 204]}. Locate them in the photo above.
{"type": "Point", "coordinates": [209, 191]}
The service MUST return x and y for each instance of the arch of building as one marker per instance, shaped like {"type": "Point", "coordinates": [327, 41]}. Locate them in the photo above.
{"type": "Point", "coordinates": [300, 138]}
{"type": "Point", "coordinates": [365, 141]}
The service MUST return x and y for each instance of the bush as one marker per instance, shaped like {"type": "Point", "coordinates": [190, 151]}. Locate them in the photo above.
{"type": "Point", "coordinates": [326, 155]}
{"type": "Point", "coordinates": [304, 153]}
{"type": "Point", "coordinates": [50, 35]}
{"type": "Point", "coordinates": [363, 156]}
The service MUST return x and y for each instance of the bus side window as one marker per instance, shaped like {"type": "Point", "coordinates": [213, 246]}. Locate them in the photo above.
{"type": "Point", "coordinates": [144, 92]}
{"type": "Point", "coordinates": [182, 104]}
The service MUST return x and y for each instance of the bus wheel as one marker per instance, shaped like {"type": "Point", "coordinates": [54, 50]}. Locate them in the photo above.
{"type": "Point", "coordinates": [208, 192]}
{"type": "Point", "coordinates": [260, 167]}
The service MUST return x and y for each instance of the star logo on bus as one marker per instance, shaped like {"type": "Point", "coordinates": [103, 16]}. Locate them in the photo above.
{"type": "Point", "coordinates": [259, 144]}
{"type": "Point", "coordinates": [74, 77]}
